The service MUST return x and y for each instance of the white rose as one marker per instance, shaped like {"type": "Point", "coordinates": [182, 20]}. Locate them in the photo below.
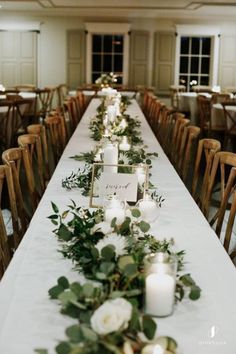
{"type": "Point", "coordinates": [111, 316]}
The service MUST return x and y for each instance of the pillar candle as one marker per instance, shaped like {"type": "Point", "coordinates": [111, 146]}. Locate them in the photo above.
{"type": "Point", "coordinates": [110, 157]}
{"type": "Point", "coordinates": [159, 294]}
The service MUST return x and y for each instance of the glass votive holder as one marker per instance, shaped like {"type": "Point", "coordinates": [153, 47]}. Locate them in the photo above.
{"type": "Point", "coordinates": [141, 172]}
{"type": "Point", "coordinates": [114, 208]}
{"type": "Point", "coordinates": [149, 208]}
{"type": "Point", "coordinates": [160, 283]}
{"type": "Point", "coordinates": [124, 144]}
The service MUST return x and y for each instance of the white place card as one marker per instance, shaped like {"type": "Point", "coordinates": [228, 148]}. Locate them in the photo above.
{"type": "Point", "coordinates": [125, 185]}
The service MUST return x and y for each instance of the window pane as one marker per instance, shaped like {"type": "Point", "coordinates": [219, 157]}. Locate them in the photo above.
{"type": "Point", "coordinates": [118, 44]}
{"type": "Point", "coordinates": [96, 62]}
{"type": "Point", "coordinates": [205, 65]}
{"type": "Point", "coordinates": [97, 43]}
{"type": "Point", "coordinates": [118, 63]}
{"type": "Point", "coordinates": [184, 45]}
{"type": "Point", "coordinates": [119, 79]}
{"type": "Point", "coordinates": [183, 65]}
{"type": "Point", "coordinates": [95, 77]}
{"type": "Point", "coordinates": [107, 45]}
{"type": "Point", "coordinates": [204, 80]}
{"type": "Point", "coordinates": [107, 66]}
{"type": "Point", "coordinates": [194, 65]}
{"type": "Point", "coordinates": [206, 46]}
{"type": "Point", "coordinates": [195, 45]}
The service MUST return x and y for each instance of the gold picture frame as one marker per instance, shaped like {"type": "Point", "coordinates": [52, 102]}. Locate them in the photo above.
{"type": "Point", "coordinates": [126, 168]}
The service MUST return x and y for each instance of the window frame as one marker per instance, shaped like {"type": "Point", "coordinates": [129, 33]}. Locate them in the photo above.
{"type": "Point", "coordinates": [199, 31]}
{"type": "Point", "coordinates": [107, 28]}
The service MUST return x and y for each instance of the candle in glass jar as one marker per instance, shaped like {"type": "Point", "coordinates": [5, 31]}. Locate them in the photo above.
{"type": "Point", "coordinates": [148, 208]}
{"type": "Point", "coordinates": [124, 144]}
{"type": "Point", "coordinates": [123, 124]}
{"type": "Point", "coordinates": [115, 209]}
{"type": "Point", "coordinates": [110, 157]}
{"type": "Point", "coordinates": [159, 294]}
{"type": "Point", "coordinates": [141, 174]}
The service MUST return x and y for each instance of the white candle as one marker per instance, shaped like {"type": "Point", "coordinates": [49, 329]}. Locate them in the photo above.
{"type": "Point", "coordinates": [148, 209]}
{"type": "Point", "coordinates": [117, 108]}
{"type": "Point", "coordinates": [110, 157]}
{"type": "Point", "coordinates": [105, 120]}
{"type": "Point", "coordinates": [141, 174]}
{"type": "Point", "coordinates": [124, 144]}
{"type": "Point", "coordinates": [111, 113]}
{"type": "Point", "coordinates": [159, 294]}
{"type": "Point", "coordinates": [123, 124]}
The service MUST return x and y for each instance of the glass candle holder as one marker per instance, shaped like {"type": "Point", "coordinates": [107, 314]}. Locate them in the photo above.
{"type": "Point", "coordinates": [160, 283]}
{"type": "Point", "coordinates": [141, 173]}
{"type": "Point", "coordinates": [149, 208]}
{"type": "Point", "coordinates": [124, 144]}
{"type": "Point", "coordinates": [114, 208]}
{"type": "Point", "coordinates": [110, 157]}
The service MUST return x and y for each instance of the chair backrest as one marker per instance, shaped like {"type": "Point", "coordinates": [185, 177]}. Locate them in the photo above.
{"type": "Point", "coordinates": [229, 228]}
{"type": "Point", "coordinates": [189, 138]}
{"type": "Point", "coordinates": [81, 102]}
{"type": "Point", "coordinates": [180, 123]}
{"type": "Point", "coordinates": [26, 195]}
{"type": "Point", "coordinates": [204, 108]}
{"type": "Point", "coordinates": [70, 108]}
{"type": "Point", "coordinates": [40, 130]}
{"type": "Point", "coordinates": [163, 124]}
{"type": "Point", "coordinates": [220, 97]}
{"type": "Point", "coordinates": [5, 177]}
{"type": "Point", "coordinates": [32, 142]}
{"type": "Point", "coordinates": [175, 90]}
{"type": "Point", "coordinates": [56, 126]}
{"type": "Point", "coordinates": [45, 100]}
{"type": "Point", "coordinates": [207, 148]}
{"type": "Point", "coordinates": [26, 88]}
{"type": "Point", "coordinates": [6, 123]}
{"type": "Point", "coordinates": [223, 160]}
{"type": "Point", "coordinates": [202, 88]}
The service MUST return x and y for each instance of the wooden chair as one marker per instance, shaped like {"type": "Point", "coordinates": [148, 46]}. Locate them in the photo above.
{"type": "Point", "coordinates": [189, 139]}
{"type": "Point", "coordinates": [223, 160]}
{"type": "Point", "coordinates": [25, 88]}
{"type": "Point", "coordinates": [175, 90]}
{"type": "Point", "coordinates": [172, 118]}
{"type": "Point", "coordinates": [176, 139]}
{"type": "Point", "coordinates": [7, 117]}
{"type": "Point", "coordinates": [40, 130]}
{"type": "Point", "coordinates": [26, 195]}
{"type": "Point", "coordinates": [220, 97]}
{"type": "Point", "coordinates": [229, 109]}
{"type": "Point", "coordinates": [45, 100]}
{"type": "Point", "coordinates": [32, 142]}
{"type": "Point", "coordinates": [229, 228]}
{"type": "Point", "coordinates": [207, 148]}
{"type": "Point", "coordinates": [70, 109]}
{"type": "Point", "coordinates": [154, 115]}
{"type": "Point", "coordinates": [81, 102]}
{"type": "Point", "coordinates": [163, 124]}
{"type": "Point", "coordinates": [5, 254]}
{"type": "Point", "coordinates": [57, 133]}
{"type": "Point", "coordinates": [202, 88]}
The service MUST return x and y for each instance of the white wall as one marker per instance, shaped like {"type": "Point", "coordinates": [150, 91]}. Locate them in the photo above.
{"type": "Point", "coordinates": [52, 40]}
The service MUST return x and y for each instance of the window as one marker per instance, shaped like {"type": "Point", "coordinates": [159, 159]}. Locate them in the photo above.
{"type": "Point", "coordinates": [107, 50]}
{"type": "Point", "coordinates": [195, 56]}
{"type": "Point", "coordinates": [107, 55]}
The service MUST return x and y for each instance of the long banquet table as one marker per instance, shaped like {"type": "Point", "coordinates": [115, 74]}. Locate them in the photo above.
{"type": "Point", "coordinates": [29, 319]}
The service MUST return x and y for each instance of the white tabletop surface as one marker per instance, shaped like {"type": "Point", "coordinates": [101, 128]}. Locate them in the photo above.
{"type": "Point", "coordinates": [29, 319]}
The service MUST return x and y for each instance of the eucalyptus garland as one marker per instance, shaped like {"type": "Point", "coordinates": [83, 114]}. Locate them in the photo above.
{"type": "Point", "coordinates": [112, 257]}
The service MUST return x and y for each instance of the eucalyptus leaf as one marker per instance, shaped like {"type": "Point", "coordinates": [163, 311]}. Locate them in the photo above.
{"type": "Point", "coordinates": [89, 334]}
{"type": "Point", "coordinates": [55, 291]}
{"type": "Point", "coordinates": [63, 233]}
{"type": "Point", "coordinates": [74, 333]}
{"type": "Point", "coordinates": [195, 292]}
{"type": "Point", "coordinates": [124, 260]}
{"type": "Point", "coordinates": [107, 267]}
{"type": "Point", "coordinates": [88, 290]}
{"type": "Point", "coordinates": [63, 281]}
{"type": "Point", "coordinates": [149, 327]}
{"type": "Point", "coordinates": [41, 351]}
{"type": "Point", "coordinates": [187, 280]}
{"type": "Point", "coordinates": [136, 213]}
{"type": "Point", "coordinates": [130, 270]}
{"type": "Point", "coordinates": [55, 208]}
{"type": "Point", "coordinates": [144, 226]}
{"type": "Point", "coordinates": [66, 297]}
{"type": "Point", "coordinates": [76, 288]}
{"type": "Point", "coordinates": [108, 252]}
{"type": "Point", "coordinates": [63, 348]}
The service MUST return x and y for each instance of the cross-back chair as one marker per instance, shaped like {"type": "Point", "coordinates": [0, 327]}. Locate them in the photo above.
{"type": "Point", "coordinates": [207, 148]}
{"type": "Point", "coordinates": [57, 132]}
{"type": "Point", "coordinates": [229, 227]}
{"type": "Point", "coordinates": [40, 130]}
{"type": "Point", "coordinates": [45, 100]}
{"type": "Point", "coordinates": [7, 118]}
{"type": "Point", "coordinates": [32, 142]}
{"type": "Point", "coordinates": [187, 144]}
{"type": "Point", "coordinates": [24, 184]}
{"type": "Point", "coordinates": [62, 93]}
{"type": "Point", "coordinates": [223, 161]}
{"type": "Point", "coordinates": [180, 123]}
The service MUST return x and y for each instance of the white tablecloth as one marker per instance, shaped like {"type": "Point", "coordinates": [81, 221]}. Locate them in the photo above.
{"type": "Point", "coordinates": [217, 115]}
{"type": "Point", "coordinates": [29, 319]}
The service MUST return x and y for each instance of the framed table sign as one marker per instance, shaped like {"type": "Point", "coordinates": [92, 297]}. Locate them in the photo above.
{"type": "Point", "coordinates": [127, 181]}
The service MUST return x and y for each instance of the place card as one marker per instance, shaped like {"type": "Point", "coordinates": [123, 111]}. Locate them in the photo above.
{"type": "Point", "coordinates": [124, 183]}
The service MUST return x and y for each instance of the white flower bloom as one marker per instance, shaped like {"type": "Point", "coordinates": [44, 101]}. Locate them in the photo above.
{"type": "Point", "coordinates": [83, 213]}
{"type": "Point", "coordinates": [127, 348]}
{"type": "Point", "coordinates": [113, 315]}
{"type": "Point", "coordinates": [103, 227]}
{"type": "Point", "coordinates": [119, 243]}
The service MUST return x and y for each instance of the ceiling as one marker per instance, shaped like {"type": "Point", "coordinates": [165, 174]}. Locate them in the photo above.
{"type": "Point", "coordinates": [124, 8]}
